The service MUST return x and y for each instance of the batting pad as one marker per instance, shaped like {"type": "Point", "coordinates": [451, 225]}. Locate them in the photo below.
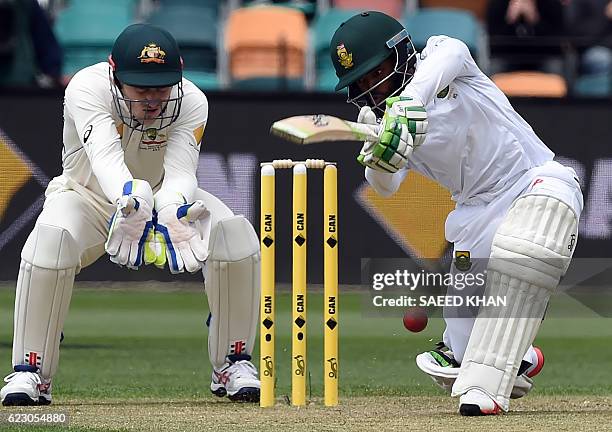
{"type": "Point", "coordinates": [49, 260]}
{"type": "Point", "coordinates": [531, 251]}
{"type": "Point", "coordinates": [232, 287]}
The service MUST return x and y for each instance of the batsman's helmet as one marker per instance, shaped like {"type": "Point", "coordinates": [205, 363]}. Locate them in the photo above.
{"type": "Point", "coordinates": [361, 44]}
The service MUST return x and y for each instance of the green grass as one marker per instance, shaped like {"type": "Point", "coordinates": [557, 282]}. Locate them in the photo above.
{"type": "Point", "coordinates": [134, 358]}
{"type": "Point", "coordinates": [151, 344]}
{"type": "Point", "coordinates": [45, 428]}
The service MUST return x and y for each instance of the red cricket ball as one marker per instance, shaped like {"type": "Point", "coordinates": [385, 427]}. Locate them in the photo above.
{"type": "Point", "coordinates": [415, 319]}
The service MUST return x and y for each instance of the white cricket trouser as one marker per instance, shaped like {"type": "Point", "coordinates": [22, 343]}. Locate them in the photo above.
{"type": "Point", "coordinates": [472, 228]}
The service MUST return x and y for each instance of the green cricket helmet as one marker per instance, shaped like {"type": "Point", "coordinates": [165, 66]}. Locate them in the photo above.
{"type": "Point", "coordinates": [146, 56]}
{"type": "Point", "coordinates": [361, 44]}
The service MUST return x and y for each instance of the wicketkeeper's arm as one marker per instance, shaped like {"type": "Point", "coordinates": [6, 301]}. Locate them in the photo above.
{"type": "Point", "coordinates": [180, 239]}
{"type": "Point", "coordinates": [180, 182]}
{"type": "Point", "coordinates": [99, 137]}
{"type": "Point", "coordinates": [183, 153]}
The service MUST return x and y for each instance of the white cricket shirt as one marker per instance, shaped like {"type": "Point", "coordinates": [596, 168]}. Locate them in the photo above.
{"type": "Point", "coordinates": [477, 145]}
{"type": "Point", "coordinates": [101, 153]}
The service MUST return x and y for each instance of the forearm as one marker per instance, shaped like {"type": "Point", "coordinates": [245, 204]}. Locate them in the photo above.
{"type": "Point", "coordinates": [385, 184]}
{"type": "Point", "coordinates": [181, 164]}
{"type": "Point", "coordinates": [111, 174]}
{"type": "Point", "coordinates": [176, 190]}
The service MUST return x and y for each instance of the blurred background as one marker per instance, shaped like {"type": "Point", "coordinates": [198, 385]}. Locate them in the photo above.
{"type": "Point", "coordinates": [259, 61]}
{"type": "Point", "coordinates": [548, 48]}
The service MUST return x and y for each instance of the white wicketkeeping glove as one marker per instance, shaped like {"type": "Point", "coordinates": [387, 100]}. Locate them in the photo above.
{"type": "Point", "coordinates": [181, 239]}
{"type": "Point", "coordinates": [131, 224]}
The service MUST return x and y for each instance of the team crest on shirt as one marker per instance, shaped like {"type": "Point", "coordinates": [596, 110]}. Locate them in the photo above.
{"type": "Point", "coordinates": [153, 140]}
{"type": "Point", "coordinates": [462, 260]}
{"type": "Point", "coordinates": [152, 53]}
{"type": "Point", "coordinates": [344, 57]}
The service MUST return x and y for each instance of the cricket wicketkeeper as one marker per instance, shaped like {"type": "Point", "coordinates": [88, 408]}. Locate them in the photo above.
{"type": "Point", "coordinates": [132, 133]}
{"type": "Point", "coordinates": [441, 116]}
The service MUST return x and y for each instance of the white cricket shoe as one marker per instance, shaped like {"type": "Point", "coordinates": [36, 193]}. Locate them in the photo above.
{"type": "Point", "coordinates": [237, 380]}
{"type": "Point", "coordinates": [477, 403]}
{"type": "Point", "coordinates": [25, 386]}
{"type": "Point", "coordinates": [441, 366]}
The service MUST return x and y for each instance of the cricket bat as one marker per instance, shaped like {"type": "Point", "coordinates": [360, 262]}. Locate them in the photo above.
{"type": "Point", "coordinates": [309, 129]}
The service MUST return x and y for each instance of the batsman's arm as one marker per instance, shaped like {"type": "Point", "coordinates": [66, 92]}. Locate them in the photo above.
{"type": "Point", "coordinates": [443, 60]}
{"type": "Point", "coordinates": [385, 184]}
{"type": "Point", "coordinates": [98, 135]}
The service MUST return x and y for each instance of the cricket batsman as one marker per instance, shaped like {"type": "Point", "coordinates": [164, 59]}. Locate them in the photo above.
{"type": "Point", "coordinates": [132, 134]}
{"type": "Point", "coordinates": [516, 209]}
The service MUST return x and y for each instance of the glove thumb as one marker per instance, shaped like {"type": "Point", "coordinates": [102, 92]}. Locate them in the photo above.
{"type": "Point", "coordinates": [127, 205]}
{"type": "Point", "coordinates": [366, 115]}
{"type": "Point", "coordinates": [192, 212]}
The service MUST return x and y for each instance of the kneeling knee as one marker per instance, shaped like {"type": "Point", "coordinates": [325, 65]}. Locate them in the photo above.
{"type": "Point", "coordinates": [51, 247]}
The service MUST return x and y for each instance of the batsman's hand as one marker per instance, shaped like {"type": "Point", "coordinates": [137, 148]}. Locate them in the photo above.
{"type": "Point", "coordinates": [367, 116]}
{"type": "Point", "coordinates": [180, 239]}
{"type": "Point", "coordinates": [131, 225]}
{"type": "Point", "coordinates": [403, 128]}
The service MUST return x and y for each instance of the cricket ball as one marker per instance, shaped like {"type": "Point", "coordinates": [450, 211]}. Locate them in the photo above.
{"type": "Point", "coordinates": [415, 319]}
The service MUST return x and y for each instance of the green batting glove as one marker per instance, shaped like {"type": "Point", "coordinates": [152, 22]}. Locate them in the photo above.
{"type": "Point", "coordinates": [411, 113]}
{"type": "Point", "coordinates": [403, 128]}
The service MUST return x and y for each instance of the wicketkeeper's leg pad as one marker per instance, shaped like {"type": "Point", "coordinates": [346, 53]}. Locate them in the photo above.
{"type": "Point", "coordinates": [531, 251]}
{"type": "Point", "coordinates": [49, 260]}
{"type": "Point", "coordinates": [232, 286]}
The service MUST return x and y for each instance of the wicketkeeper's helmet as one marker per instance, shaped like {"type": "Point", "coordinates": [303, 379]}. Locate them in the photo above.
{"type": "Point", "coordinates": [146, 56]}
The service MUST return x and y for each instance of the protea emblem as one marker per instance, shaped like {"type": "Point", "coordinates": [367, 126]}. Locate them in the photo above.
{"type": "Point", "coordinates": [344, 57]}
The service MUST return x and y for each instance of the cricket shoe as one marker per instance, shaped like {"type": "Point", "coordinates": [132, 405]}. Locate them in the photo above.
{"type": "Point", "coordinates": [533, 367]}
{"type": "Point", "coordinates": [237, 380]}
{"type": "Point", "coordinates": [443, 369]}
{"type": "Point", "coordinates": [475, 402]}
{"type": "Point", "coordinates": [527, 370]}
{"type": "Point", "coordinates": [25, 386]}
{"type": "Point", "coordinates": [440, 365]}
